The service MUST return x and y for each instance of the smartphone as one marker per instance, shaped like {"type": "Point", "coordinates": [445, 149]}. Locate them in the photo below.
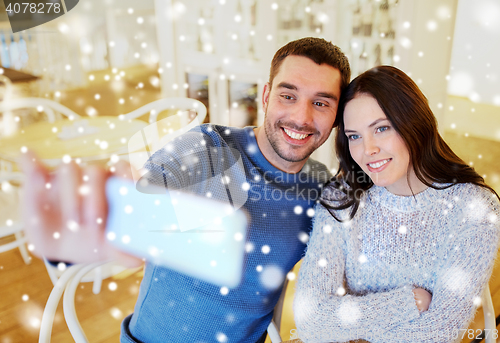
{"type": "Point", "coordinates": [192, 234]}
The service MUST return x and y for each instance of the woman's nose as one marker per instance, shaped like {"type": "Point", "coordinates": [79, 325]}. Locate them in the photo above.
{"type": "Point", "coordinates": [371, 148]}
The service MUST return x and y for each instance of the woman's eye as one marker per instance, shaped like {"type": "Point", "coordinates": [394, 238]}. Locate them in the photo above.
{"type": "Point", "coordinates": [353, 137]}
{"type": "Point", "coordinates": [382, 128]}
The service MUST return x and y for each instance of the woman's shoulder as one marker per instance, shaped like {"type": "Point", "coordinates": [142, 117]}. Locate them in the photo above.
{"type": "Point", "coordinates": [478, 204]}
{"type": "Point", "coordinates": [468, 191]}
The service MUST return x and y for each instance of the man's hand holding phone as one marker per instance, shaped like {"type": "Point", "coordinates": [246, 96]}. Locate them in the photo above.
{"type": "Point", "coordinates": [65, 212]}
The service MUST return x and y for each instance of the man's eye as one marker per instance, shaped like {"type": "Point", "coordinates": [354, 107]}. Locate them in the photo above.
{"type": "Point", "coordinates": [318, 103]}
{"type": "Point", "coordinates": [287, 97]}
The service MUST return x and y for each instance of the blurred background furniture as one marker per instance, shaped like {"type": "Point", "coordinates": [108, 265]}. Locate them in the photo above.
{"type": "Point", "coordinates": [67, 284]}
{"type": "Point", "coordinates": [89, 139]}
{"type": "Point", "coordinates": [489, 316]}
{"type": "Point", "coordinates": [168, 118]}
{"type": "Point", "coordinates": [96, 275]}
{"type": "Point", "coordinates": [11, 226]}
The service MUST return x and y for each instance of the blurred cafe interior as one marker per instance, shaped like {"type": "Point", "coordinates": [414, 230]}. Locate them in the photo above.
{"type": "Point", "coordinates": [111, 59]}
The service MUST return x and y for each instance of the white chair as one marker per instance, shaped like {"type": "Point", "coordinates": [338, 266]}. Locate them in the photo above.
{"type": "Point", "coordinates": [9, 203]}
{"type": "Point", "coordinates": [273, 330]}
{"type": "Point", "coordinates": [67, 284]}
{"type": "Point", "coordinates": [96, 275]}
{"type": "Point", "coordinates": [48, 106]}
{"type": "Point", "coordinates": [50, 308]}
{"type": "Point", "coordinates": [182, 105]}
{"type": "Point", "coordinates": [188, 114]}
{"type": "Point", "coordinates": [489, 315]}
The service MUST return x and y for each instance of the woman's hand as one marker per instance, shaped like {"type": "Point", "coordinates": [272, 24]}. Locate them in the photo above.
{"type": "Point", "coordinates": [422, 299]}
{"type": "Point", "coordinates": [65, 212]}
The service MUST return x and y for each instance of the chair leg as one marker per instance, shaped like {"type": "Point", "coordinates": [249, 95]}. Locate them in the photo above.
{"type": "Point", "coordinates": [273, 333]}
{"type": "Point", "coordinates": [489, 315]}
{"type": "Point", "coordinates": [50, 271]}
{"type": "Point", "coordinates": [96, 287]}
{"type": "Point", "coordinates": [22, 248]}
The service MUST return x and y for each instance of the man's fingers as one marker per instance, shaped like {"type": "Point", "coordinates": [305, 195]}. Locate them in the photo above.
{"type": "Point", "coordinates": [125, 170]}
{"type": "Point", "coordinates": [93, 190]}
{"type": "Point", "coordinates": [69, 182]}
{"type": "Point", "coordinates": [29, 163]}
{"type": "Point", "coordinates": [36, 175]}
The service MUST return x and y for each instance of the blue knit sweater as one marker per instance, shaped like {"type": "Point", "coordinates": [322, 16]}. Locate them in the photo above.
{"type": "Point", "coordinates": [172, 307]}
{"type": "Point", "coordinates": [357, 277]}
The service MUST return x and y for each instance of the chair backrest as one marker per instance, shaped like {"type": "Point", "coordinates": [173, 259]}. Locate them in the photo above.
{"type": "Point", "coordinates": [7, 92]}
{"type": "Point", "coordinates": [181, 104]}
{"type": "Point", "coordinates": [46, 105]}
{"type": "Point", "coordinates": [160, 132]}
{"type": "Point", "coordinates": [10, 225]}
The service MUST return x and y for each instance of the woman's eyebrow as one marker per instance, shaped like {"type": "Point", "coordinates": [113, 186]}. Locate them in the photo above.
{"type": "Point", "coordinates": [377, 121]}
{"type": "Point", "coordinates": [371, 125]}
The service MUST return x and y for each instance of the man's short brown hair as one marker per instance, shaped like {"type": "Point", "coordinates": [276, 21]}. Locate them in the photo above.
{"type": "Point", "coordinates": [319, 51]}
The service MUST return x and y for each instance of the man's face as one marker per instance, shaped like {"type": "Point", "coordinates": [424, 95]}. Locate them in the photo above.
{"type": "Point", "coordinates": [300, 110]}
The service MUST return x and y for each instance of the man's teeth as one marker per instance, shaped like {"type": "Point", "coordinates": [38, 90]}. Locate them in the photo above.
{"type": "Point", "coordinates": [378, 164]}
{"type": "Point", "coordinates": [295, 135]}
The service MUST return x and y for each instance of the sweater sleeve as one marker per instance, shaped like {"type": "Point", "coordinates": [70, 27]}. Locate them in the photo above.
{"type": "Point", "coordinates": [460, 280]}
{"type": "Point", "coordinates": [323, 312]}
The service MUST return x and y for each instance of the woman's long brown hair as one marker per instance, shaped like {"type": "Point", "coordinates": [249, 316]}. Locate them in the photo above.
{"type": "Point", "coordinates": [408, 110]}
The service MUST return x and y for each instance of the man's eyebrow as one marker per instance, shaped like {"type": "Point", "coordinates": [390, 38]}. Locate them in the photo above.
{"type": "Point", "coordinates": [320, 94]}
{"type": "Point", "coordinates": [328, 95]}
{"type": "Point", "coordinates": [287, 85]}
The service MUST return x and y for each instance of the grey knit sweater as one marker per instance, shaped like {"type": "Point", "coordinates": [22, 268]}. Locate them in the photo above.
{"type": "Point", "coordinates": [357, 277]}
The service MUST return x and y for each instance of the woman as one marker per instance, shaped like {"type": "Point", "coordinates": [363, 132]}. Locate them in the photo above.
{"type": "Point", "coordinates": [405, 237]}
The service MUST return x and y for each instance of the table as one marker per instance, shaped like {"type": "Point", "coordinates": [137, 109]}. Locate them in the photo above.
{"type": "Point", "coordinates": [88, 138]}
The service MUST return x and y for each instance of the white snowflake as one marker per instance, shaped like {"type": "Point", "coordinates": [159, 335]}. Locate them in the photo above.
{"type": "Point", "coordinates": [327, 229]}
{"type": "Point", "coordinates": [272, 277]}
{"type": "Point", "coordinates": [340, 291]}
{"type": "Point", "coordinates": [349, 313]}
{"type": "Point", "coordinates": [456, 279]}
{"type": "Point", "coordinates": [303, 237]}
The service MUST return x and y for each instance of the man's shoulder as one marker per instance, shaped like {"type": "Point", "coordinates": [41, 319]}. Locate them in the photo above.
{"type": "Point", "coordinates": [221, 132]}
{"type": "Point", "coordinates": [318, 170]}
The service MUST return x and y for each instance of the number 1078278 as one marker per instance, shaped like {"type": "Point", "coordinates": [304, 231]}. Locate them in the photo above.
{"type": "Point", "coordinates": [32, 7]}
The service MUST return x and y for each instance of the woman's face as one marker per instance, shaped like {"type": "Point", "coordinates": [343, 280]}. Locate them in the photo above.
{"type": "Point", "coordinates": [376, 146]}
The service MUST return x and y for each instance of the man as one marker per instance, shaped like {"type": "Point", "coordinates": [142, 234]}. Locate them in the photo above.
{"type": "Point", "coordinates": [300, 102]}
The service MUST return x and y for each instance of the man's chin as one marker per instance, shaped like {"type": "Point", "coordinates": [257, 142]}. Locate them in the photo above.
{"type": "Point", "coordinates": [293, 157]}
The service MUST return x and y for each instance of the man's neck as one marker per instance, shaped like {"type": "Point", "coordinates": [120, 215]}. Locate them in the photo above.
{"type": "Point", "coordinates": [272, 157]}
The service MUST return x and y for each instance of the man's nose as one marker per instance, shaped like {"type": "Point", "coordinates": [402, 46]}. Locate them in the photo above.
{"type": "Point", "coordinates": [302, 114]}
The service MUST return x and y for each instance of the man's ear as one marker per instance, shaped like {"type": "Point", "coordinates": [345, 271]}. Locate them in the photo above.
{"type": "Point", "coordinates": [265, 96]}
